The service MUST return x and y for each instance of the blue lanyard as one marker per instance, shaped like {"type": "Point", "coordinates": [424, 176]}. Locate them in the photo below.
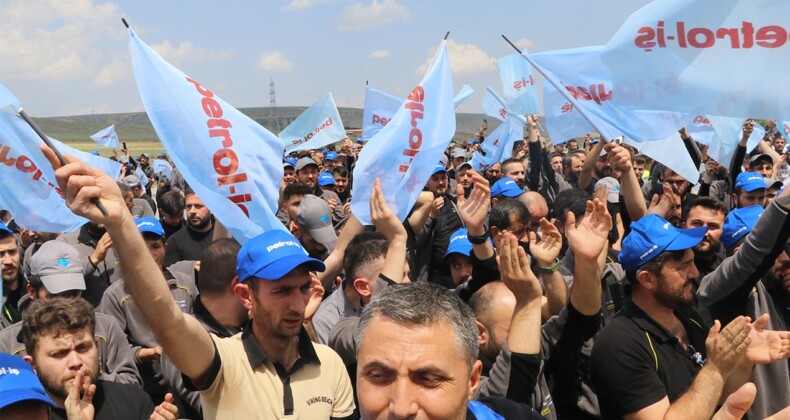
{"type": "Point", "coordinates": [482, 412]}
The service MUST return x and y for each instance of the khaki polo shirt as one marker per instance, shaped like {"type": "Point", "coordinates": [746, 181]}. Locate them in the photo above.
{"type": "Point", "coordinates": [250, 385]}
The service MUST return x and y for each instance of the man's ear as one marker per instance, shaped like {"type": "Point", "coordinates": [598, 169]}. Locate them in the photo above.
{"type": "Point", "coordinates": [362, 287]}
{"type": "Point", "coordinates": [646, 279]}
{"type": "Point", "coordinates": [30, 292]}
{"type": "Point", "coordinates": [243, 293]}
{"type": "Point", "coordinates": [482, 334]}
{"type": "Point", "coordinates": [494, 201]}
{"type": "Point", "coordinates": [28, 358]}
{"type": "Point", "coordinates": [474, 379]}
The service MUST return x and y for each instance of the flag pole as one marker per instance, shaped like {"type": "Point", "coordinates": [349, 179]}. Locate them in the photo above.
{"type": "Point", "coordinates": [61, 158]}
{"type": "Point", "coordinates": [559, 88]}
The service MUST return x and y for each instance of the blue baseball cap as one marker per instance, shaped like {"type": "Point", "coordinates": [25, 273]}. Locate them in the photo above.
{"type": "Point", "coordinates": [326, 178]}
{"type": "Point", "coordinates": [652, 235]}
{"type": "Point", "coordinates": [95, 152]}
{"type": "Point", "coordinates": [324, 151]}
{"type": "Point", "coordinates": [290, 160]}
{"type": "Point", "coordinates": [149, 225]}
{"type": "Point", "coordinates": [507, 187]}
{"type": "Point", "coordinates": [459, 244]}
{"type": "Point", "coordinates": [749, 181]}
{"type": "Point", "coordinates": [4, 228]}
{"type": "Point", "coordinates": [439, 168]}
{"type": "Point", "coordinates": [739, 223]}
{"type": "Point", "coordinates": [271, 255]}
{"type": "Point", "coordinates": [18, 382]}
{"type": "Point", "coordinates": [331, 156]}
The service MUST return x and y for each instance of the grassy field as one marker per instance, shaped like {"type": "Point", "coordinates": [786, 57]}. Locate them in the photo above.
{"type": "Point", "coordinates": [153, 148]}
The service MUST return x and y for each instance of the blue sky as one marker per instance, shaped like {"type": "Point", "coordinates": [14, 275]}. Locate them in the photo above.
{"type": "Point", "coordinates": [72, 57]}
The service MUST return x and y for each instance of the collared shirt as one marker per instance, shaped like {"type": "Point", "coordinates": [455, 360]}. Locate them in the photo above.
{"type": "Point", "coordinates": [332, 309]}
{"type": "Point", "coordinates": [636, 362]}
{"type": "Point", "coordinates": [245, 383]}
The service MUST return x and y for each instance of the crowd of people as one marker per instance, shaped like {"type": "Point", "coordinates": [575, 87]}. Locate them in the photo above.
{"type": "Point", "coordinates": [574, 281]}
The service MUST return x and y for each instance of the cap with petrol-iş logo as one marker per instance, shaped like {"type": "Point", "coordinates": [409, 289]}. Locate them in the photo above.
{"type": "Point", "coordinates": [272, 255]}
{"type": "Point", "coordinates": [59, 267]}
{"type": "Point", "coordinates": [326, 178]}
{"type": "Point", "coordinates": [18, 382]}
{"type": "Point", "coordinates": [739, 223]}
{"type": "Point", "coordinates": [331, 156]}
{"type": "Point", "coordinates": [439, 168]}
{"type": "Point", "coordinates": [506, 186]}
{"type": "Point", "coordinates": [652, 235]}
{"type": "Point", "coordinates": [749, 181]}
{"type": "Point", "coordinates": [459, 244]}
{"type": "Point", "coordinates": [150, 225]}
{"type": "Point", "coordinates": [315, 215]}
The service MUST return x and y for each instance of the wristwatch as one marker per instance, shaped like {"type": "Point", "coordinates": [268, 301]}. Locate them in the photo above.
{"type": "Point", "coordinates": [552, 268]}
{"type": "Point", "coordinates": [479, 240]}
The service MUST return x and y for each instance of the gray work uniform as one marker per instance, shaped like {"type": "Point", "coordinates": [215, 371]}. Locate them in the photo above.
{"type": "Point", "coordinates": [116, 361]}
{"type": "Point", "coordinates": [332, 309]}
{"type": "Point", "coordinates": [100, 276]}
{"type": "Point", "coordinates": [735, 288]}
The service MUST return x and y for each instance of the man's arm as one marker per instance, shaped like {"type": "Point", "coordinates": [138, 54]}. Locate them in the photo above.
{"type": "Point", "coordinates": [589, 165]}
{"type": "Point", "coordinates": [118, 357]}
{"type": "Point", "coordinates": [388, 224]}
{"type": "Point", "coordinates": [473, 212]}
{"type": "Point", "coordinates": [740, 151]}
{"type": "Point", "coordinates": [588, 241]}
{"type": "Point", "coordinates": [334, 262]}
{"type": "Point", "coordinates": [421, 212]}
{"type": "Point", "coordinates": [182, 337]}
{"type": "Point", "coordinates": [629, 186]}
{"type": "Point", "coordinates": [691, 147]}
{"type": "Point", "coordinates": [545, 253]}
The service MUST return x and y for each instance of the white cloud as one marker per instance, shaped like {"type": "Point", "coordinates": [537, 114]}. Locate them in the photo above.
{"type": "Point", "coordinates": [380, 54]}
{"type": "Point", "coordinates": [295, 5]}
{"type": "Point", "coordinates": [377, 13]}
{"type": "Point", "coordinates": [525, 43]}
{"type": "Point", "coordinates": [112, 74]}
{"type": "Point", "coordinates": [185, 51]}
{"type": "Point", "coordinates": [274, 60]}
{"type": "Point", "coordinates": [53, 40]}
{"type": "Point", "coordinates": [464, 59]}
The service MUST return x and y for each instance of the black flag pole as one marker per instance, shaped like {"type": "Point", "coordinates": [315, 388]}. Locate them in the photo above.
{"type": "Point", "coordinates": [61, 158]}
{"type": "Point", "coordinates": [446, 35]}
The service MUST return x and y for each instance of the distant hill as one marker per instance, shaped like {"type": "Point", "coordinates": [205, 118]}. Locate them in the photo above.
{"type": "Point", "coordinates": [136, 126]}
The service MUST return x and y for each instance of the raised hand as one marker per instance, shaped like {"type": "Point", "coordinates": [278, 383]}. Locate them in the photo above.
{"type": "Point", "coordinates": [167, 410]}
{"type": "Point", "coordinates": [386, 222]}
{"type": "Point", "coordinates": [550, 245]}
{"type": "Point", "coordinates": [79, 402]}
{"type": "Point", "coordinates": [665, 204]}
{"type": "Point", "coordinates": [589, 238]}
{"type": "Point", "coordinates": [316, 296]}
{"type": "Point", "coordinates": [514, 268]}
{"type": "Point", "coordinates": [619, 157]}
{"type": "Point", "coordinates": [767, 346]}
{"type": "Point", "coordinates": [727, 347]}
{"type": "Point", "coordinates": [473, 210]}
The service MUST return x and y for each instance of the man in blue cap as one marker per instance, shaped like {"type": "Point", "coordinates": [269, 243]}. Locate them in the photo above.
{"type": "Point", "coordinates": [506, 187]}
{"type": "Point", "coordinates": [755, 280]}
{"type": "Point", "coordinates": [458, 256]}
{"type": "Point", "coordinates": [657, 357]}
{"type": "Point", "coordinates": [443, 221]}
{"type": "Point", "coordinates": [21, 394]}
{"type": "Point", "coordinates": [272, 369]}
{"type": "Point", "coordinates": [749, 190]}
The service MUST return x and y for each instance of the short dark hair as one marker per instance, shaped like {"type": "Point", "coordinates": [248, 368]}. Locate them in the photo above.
{"type": "Point", "coordinates": [501, 211]}
{"type": "Point", "coordinates": [364, 248]}
{"type": "Point", "coordinates": [640, 159]}
{"type": "Point", "coordinates": [340, 171]}
{"type": "Point", "coordinates": [297, 188]}
{"type": "Point", "coordinates": [710, 203]}
{"type": "Point", "coordinates": [509, 161]}
{"type": "Point", "coordinates": [555, 154]}
{"type": "Point", "coordinates": [218, 266]}
{"type": "Point", "coordinates": [566, 199]}
{"type": "Point", "coordinates": [171, 203]}
{"type": "Point", "coordinates": [55, 316]}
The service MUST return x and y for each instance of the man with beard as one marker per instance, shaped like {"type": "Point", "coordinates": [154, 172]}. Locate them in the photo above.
{"type": "Point", "coordinates": [710, 212]}
{"type": "Point", "coordinates": [342, 187]}
{"type": "Point", "coordinates": [746, 283]}
{"type": "Point", "coordinates": [514, 169]}
{"type": "Point", "coordinates": [572, 166]}
{"type": "Point", "coordinates": [749, 190]}
{"type": "Point", "coordinates": [12, 277]}
{"type": "Point", "coordinates": [443, 221]}
{"type": "Point", "coordinates": [58, 334]}
{"type": "Point", "coordinates": [313, 227]}
{"type": "Point", "coordinates": [494, 173]}
{"type": "Point", "coordinates": [307, 172]}
{"type": "Point", "coordinates": [190, 241]}
{"type": "Point", "coordinates": [657, 358]}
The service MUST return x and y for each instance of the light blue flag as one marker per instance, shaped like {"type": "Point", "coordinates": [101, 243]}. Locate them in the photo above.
{"type": "Point", "coordinates": [380, 107]}
{"type": "Point", "coordinates": [107, 137]}
{"type": "Point", "coordinates": [163, 166]}
{"type": "Point", "coordinates": [589, 84]}
{"type": "Point", "coordinates": [462, 95]}
{"type": "Point", "coordinates": [494, 106]}
{"type": "Point", "coordinates": [700, 128]}
{"type": "Point", "coordinates": [404, 153]}
{"type": "Point", "coordinates": [518, 85]}
{"type": "Point", "coordinates": [755, 138]}
{"type": "Point", "coordinates": [711, 57]}
{"type": "Point", "coordinates": [7, 98]}
{"type": "Point", "coordinates": [108, 166]}
{"type": "Point", "coordinates": [499, 144]}
{"type": "Point", "coordinates": [140, 174]}
{"type": "Point", "coordinates": [27, 181]}
{"type": "Point", "coordinates": [727, 134]}
{"type": "Point", "coordinates": [314, 128]}
{"type": "Point", "coordinates": [233, 164]}
{"type": "Point", "coordinates": [784, 127]}
{"type": "Point", "coordinates": [564, 121]}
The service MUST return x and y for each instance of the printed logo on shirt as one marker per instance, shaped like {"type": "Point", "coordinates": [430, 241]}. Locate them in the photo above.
{"type": "Point", "coordinates": [319, 399]}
